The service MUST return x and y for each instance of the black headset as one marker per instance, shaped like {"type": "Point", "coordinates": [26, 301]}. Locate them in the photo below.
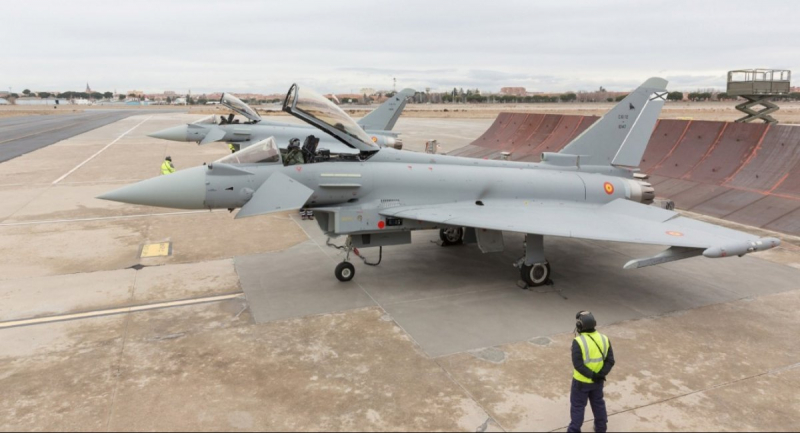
{"type": "Point", "coordinates": [584, 320]}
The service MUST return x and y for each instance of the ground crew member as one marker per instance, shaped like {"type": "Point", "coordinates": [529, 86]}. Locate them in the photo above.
{"type": "Point", "coordinates": [295, 155]}
{"type": "Point", "coordinates": [232, 147]}
{"type": "Point", "coordinates": [592, 360]}
{"type": "Point", "coordinates": [167, 167]}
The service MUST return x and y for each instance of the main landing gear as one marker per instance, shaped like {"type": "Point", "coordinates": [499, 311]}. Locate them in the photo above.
{"type": "Point", "coordinates": [534, 269]}
{"type": "Point", "coordinates": [451, 236]}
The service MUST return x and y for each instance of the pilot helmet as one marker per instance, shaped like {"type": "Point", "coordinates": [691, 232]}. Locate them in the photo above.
{"type": "Point", "coordinates": [294, 143]}
{"type": "Point", "coordinates": [584, 321]}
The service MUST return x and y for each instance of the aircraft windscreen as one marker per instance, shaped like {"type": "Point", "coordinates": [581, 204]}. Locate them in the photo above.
{"type": "Point", "coordinates": [325, 111]}
{"type": "Point", "coordinates": [265, 151]}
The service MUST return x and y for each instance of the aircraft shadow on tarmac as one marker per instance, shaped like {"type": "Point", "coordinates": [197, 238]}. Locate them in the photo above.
{"type": "Point", "coordinates": [453, 299]}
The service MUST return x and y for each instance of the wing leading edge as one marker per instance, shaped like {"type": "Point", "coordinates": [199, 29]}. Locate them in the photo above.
{"type": "Point", "coordinates": [619, 221]}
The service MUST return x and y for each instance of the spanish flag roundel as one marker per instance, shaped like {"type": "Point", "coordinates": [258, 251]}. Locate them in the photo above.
{"type": "Point", "coordinates": [609, 188]}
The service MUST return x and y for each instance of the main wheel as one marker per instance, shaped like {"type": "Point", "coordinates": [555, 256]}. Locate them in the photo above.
{"type": "Point", "coordinates": [536, 274]}
{"type": "Point", "coordinates": [451, 236]}
{"type": "Point", "coordinates": [345, 271]}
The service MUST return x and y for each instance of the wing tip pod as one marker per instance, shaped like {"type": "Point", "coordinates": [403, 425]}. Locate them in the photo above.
{"type": "Point", "coordinates": [741, 248]}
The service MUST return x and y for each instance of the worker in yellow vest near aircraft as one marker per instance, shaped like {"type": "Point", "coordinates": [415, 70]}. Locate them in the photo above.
{"type": "Point", "coordinates": [167, 167]}
{"type": "Point", "coordinates": [232, 147]}
{"type": "Point", "coordinates": [592, 360]}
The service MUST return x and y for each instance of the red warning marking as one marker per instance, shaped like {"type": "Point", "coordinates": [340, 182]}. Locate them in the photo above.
{"type": "Point", "coordinates": [409, 167]}
{"type": "Point", "coordinates": [381, 224]}
{"type": "Point", "coordinates": [609, 188]}
{"type": "Point", "coordinates": [430, 168]}
{"type": "Point", "coordinates": [299, 168]}
{"type": "Point", "coordinates": [671, 233]}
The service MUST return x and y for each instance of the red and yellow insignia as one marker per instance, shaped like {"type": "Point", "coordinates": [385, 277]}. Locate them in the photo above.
{"type": "Point", "coordinates": [609, 188]}
{"type": "Point", "coordinates": [374, 139]}
{"type": "Point", "coordinates": [671, 233]}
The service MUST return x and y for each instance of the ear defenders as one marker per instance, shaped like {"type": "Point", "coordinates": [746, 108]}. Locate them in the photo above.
{"type": "Point", "coordinates": [584, 320]}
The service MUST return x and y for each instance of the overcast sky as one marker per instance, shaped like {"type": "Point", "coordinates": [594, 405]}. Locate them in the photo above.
{"type": "Point", "coordinates": [342, 46]}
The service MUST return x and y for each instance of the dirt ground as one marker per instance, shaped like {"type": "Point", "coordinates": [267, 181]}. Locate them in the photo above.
{"type": "Point", "coordinates": [725, 111]}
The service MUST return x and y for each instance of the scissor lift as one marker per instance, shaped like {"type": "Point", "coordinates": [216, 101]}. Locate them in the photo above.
{"type": "Point", "coordinates": [758, 86]}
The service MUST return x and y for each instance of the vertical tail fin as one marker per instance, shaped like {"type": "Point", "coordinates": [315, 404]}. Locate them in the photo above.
{"type": "Point", "coordinates": [385, 116]}
{"type": "Point", "coordinates": [620, 137]}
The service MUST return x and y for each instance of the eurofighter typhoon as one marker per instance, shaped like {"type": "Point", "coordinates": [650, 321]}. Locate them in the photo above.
{"type": "Point", "coordinates": [375, 198]}
{"type": "Point", "coordinates": [377, 124]}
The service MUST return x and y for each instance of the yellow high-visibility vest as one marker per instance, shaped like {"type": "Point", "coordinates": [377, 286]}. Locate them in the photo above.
{"type": "Point", "coordinates": [593, 355]}
{"type": "Point", "coordinates": [167, 168]}
{"type": "Point", "coordinates": [232, 147]}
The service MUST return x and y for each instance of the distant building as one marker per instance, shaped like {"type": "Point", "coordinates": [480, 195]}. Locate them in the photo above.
{"type": "Point", "coordinates": [513, 91]}
{"type": "Point", "coordinates": [794, 89]}
{"type": "Point", "coordinates": [367, 91]}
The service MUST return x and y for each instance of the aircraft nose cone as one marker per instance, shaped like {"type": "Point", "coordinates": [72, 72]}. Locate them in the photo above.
{"type": "Point", "coordinates": [185, 189]}
{"type": "Point", "coordinates": [176, 133]}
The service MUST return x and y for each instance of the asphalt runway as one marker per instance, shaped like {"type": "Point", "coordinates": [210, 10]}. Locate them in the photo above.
{"type": "Point", "coordinates": [20, 135]}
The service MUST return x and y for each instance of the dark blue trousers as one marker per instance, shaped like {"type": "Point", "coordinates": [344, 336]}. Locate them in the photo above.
{"type": "Point", "coordinates": [578, 396]}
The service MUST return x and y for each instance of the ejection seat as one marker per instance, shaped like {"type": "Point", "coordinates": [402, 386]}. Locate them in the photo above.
{"type": "Point", "coordinates": [310, 148]}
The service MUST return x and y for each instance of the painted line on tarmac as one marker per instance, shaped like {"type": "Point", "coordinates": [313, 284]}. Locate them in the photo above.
{"type": "Point", "coordinates": [118, 217]}
{"type": "Point", "coordinates": [99, 151]}
{"type": "Point", "coordinates": [115, 311]}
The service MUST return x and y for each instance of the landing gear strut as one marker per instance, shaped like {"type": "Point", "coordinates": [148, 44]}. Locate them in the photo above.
{"type": "Point", "coordinates": [451, 236]}
{"type": "Point", "coordinates": [534, 269]}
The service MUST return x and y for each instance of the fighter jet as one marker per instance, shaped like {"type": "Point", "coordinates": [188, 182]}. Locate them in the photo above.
{"type": "Point", "coordinates": [592, 189]}
{"type": "Point", "coordinates": [377, 124]}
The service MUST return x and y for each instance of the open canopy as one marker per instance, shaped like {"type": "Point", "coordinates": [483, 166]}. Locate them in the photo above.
{"type": "Point", "coordinates": [318, 111]}
{"type": "Point", "coordinates": [240, 107]}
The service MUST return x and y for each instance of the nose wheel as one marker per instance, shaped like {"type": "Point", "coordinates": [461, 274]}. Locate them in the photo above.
{"type": "Point", "coordinates": [345, 271]}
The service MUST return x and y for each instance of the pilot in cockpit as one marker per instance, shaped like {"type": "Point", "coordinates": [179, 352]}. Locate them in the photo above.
{"type": "Point", "coordinates": [294, 155]}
